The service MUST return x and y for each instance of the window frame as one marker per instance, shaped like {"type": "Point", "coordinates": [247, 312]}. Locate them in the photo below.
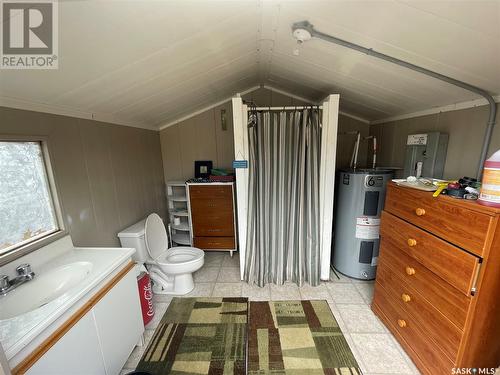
{"type": "Point", "coordinates": [36, 243]}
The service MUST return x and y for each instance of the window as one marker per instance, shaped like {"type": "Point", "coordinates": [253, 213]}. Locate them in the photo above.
{"type": "Point", "coordinates": [28, 208]}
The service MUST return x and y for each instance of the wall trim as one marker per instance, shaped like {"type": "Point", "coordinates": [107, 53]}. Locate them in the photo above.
{"type": "Point", "coordinates": [69, 112]}
{"type": "Point", "coordinates": [347, 114]}
{"type": "Point", "coordinates": [431, 111]}
{"type": "Point", "coordinates": [109, 118]}
{"type": "Point", "coordinates": [211, 106]}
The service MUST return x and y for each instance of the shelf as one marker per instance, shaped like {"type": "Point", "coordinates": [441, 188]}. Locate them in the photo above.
{"type": "Point", "coordinates": [181, 226]}
{"type": "Point", "coordinates": [177, 198]}
{"type": "Point", "coordinates": [181, 238]}
{"type": "Point", "coordinates": [176, 183]}
{"type": "Point", "coordinates": [179, 213]}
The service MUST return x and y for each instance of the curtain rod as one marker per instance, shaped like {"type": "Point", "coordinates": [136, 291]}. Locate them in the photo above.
{"type": "Point", "coordinates": [286, 108]}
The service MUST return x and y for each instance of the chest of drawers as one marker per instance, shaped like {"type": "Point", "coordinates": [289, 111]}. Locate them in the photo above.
{"type": "Point", "coordinates": [438, 280]}
{"type": "Point", "coordinates": [212, 216]}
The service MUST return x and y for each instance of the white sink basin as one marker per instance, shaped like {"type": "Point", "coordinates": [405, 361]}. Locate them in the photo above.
{"type": "Point", "coordinates": [43, 289]}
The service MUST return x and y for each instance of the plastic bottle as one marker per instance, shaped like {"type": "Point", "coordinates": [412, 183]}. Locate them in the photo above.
{"type": "Point", "coordinates": [490, 187]}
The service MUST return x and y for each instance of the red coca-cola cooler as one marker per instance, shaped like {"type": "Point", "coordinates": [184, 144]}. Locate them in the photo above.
{"type": "Point", "coordinates": [146, 297]}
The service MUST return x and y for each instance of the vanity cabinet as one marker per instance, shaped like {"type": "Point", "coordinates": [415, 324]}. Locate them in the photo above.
{"type": "Point", "coordinates": [96, 340]}
{"type": "Point", "coordinates": [437, 279]}
{"type": "Point", "coordinates": [118, 321]}
{"type": "Point", "coordinates": [77, 352]}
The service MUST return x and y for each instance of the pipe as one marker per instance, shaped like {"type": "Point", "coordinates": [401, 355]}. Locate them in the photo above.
{"type": "Point", "coordinates": [354, 157]}
{"type": "Point", "coordinates": [305, 25]}
{"type": "Point", "coordinates": [374, 158]}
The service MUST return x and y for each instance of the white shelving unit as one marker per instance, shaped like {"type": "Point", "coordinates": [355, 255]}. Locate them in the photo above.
{"type": "Point", "coordinates": [178, 208]}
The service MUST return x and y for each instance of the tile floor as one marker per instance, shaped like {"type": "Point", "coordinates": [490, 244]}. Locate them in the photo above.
{"type": "Point", "coordinates": [375, 349]}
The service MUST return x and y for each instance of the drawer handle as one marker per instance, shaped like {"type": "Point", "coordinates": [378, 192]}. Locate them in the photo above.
{"type": "Point", "coordinates": [410, 271]}
{"type": "Point", "coordinates": [405, 297]}
{"type": "Point", "coordinates": [401, 323]}
{"type": "Point", "coordinates": [420, 212]}
{"type": "Point", "coordinates": [412, 242]}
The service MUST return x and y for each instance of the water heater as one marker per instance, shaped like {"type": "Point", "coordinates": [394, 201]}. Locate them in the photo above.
{"type": "Point", "coordinates": [360, 200]}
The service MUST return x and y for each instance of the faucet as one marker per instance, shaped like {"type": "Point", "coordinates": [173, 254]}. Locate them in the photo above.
{"type": "Point", "coordinates": [24, 274]}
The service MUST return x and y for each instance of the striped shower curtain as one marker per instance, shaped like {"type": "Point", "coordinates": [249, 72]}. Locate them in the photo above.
{"type": "Point", "coordinates": [283, 199]}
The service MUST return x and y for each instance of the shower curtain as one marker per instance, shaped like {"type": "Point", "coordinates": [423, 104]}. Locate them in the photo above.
{"type": "Point", "coordinates": [283, 230]}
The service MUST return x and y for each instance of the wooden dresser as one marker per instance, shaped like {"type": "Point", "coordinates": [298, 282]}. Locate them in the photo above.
{"type": "Point", "coordinates": [211, 207]}
{"type": "Point", "coordinates": [438, 280]}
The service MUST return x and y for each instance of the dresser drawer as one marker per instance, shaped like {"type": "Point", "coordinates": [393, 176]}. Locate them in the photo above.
{"type": "Point", "coordinates": [457, 222]}
{"type": "Point", "coordinates": [410, 333]}
{"type": "Point", "coordinates": [452, 264]}
{"type": "Point", "coordinates": [441, 330]}
{"type": "Point", "coordinates": [209, 206]}
{"type": "Point", "coordinates": [214, 242]}
{"type": "Point", "coordinates": [210, 191]}
{"type": "Point", "coordinates": [447, 299]}
{"type": "Point", "coordinates": [220, 225]}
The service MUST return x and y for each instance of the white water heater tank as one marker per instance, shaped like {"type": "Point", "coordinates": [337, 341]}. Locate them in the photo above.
{"type": "Point", "coordinates": [360, 200]}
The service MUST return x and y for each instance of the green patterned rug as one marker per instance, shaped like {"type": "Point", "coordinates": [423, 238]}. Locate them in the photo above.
{"type": "Point", "coordinates": [209, 336]}
{"type": "Point", "coordinates": [199, 336]}
{"type": "Point", "coordinates": [296, 338]}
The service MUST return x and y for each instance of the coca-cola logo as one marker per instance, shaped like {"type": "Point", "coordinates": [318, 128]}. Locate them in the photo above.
{"type": "Point", "coordinates": [148, 296]}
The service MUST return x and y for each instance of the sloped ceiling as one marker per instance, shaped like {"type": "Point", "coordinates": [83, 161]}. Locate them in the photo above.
{"type": "Point", "coordinates": [149, 63]}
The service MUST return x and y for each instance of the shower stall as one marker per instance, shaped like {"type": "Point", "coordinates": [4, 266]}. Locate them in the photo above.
{"type": "Point", "coordinates": [264, 139]}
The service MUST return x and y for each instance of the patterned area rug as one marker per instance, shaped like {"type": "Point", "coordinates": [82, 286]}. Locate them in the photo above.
{"type": "Point", "coordinates": [199, 336]}
{"type": "Point", "coordinates": [209, 336]}
{"type": "Point", "coordinates": [297, 337]}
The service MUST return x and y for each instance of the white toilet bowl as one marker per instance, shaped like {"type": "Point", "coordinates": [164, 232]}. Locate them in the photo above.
{"type": "Point", "coordinates": [177, 266]}
{"type": "Point", "coordinates": [171, 269]}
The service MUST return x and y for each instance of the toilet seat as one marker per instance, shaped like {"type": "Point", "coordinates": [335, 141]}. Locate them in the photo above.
{"type": "Point", "coordinates": [155, 236]}
{"type": "Point", "coordinates": [180, 255]}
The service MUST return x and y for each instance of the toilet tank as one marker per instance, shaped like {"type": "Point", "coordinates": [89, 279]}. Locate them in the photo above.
{"type": "Point", "coordinates": [133, 236]}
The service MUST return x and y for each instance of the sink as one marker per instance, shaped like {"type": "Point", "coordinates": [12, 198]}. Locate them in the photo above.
{"type": "Point", "coordinates": [43, 289]}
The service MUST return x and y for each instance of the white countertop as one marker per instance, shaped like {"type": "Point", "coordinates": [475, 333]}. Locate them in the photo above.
{"type": "Point", "coordinates": [19, 331]}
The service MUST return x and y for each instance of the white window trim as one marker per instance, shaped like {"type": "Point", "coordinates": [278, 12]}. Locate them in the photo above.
{"type": "Point", "coordinates": [35, 243]}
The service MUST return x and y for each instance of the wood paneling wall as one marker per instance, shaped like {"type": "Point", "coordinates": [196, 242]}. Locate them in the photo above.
{"type": "Point", "coordinates": [108, 176]}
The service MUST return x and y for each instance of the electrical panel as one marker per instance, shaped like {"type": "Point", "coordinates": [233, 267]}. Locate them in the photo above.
{"type": "Point", "coordinates": [426, 155]}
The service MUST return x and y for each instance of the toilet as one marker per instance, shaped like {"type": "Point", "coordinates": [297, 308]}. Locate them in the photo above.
{"type": "Point", "coordinates": [171, 269]}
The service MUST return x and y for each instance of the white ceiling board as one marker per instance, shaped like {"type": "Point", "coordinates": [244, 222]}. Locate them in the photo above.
{"type": "Point", "coordinates": [298, 88]}
{"type": "Point", "coordinates": [197, 98]}
{"type": "Point", "coordinates": [367, 101]}
{"type": "Point", "coordinates": [222, 74]}
{"type": "Point", "coordinates": [149, 63]}
{"type": "Point", "coordinates": [178, 60]}
{"type": "Point", "coordinates": [410, 34]}
{"type": "Point", "coordinates": [355, 66]}
{"type": "Point", "coordinates": [482, 18]}
{"type": "Point", "coordinates": [206, 103]}
{"type": "Point", "coordinates": [318, 73]}
{"type": "Point", "coordinates": [196, 74]}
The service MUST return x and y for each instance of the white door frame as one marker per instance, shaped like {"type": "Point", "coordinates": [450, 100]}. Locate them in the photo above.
{"type": "Point", "coordinates": [327, 176]}
{"type": "Point", "coordinates": [327, 179]}
{"type": "Point", "coordinates": [240, 123]}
